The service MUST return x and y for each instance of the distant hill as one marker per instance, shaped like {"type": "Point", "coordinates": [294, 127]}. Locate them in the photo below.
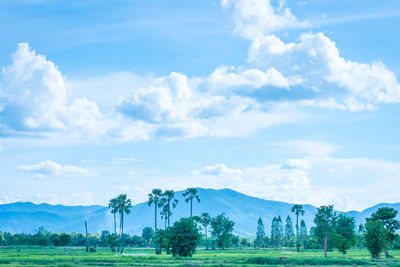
{"type": "Point", "coordinates": [242, 209]}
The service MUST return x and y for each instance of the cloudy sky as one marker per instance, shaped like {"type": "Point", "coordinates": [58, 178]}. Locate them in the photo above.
{"type": "Point", "coordinates": [295, 101]}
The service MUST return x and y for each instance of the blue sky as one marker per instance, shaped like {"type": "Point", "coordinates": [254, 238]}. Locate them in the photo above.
{"type": "Point", "coordinates": [287, 100]}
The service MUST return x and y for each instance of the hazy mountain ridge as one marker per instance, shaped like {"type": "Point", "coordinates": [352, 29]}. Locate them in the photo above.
{"type": "Point", "coordinates": [242, 209]}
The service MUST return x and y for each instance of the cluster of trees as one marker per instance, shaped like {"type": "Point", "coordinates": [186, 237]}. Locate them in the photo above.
{"type": "Point", "coordinates": [46, 238]}
{"type": "Point", "coordinates": [333, 231]}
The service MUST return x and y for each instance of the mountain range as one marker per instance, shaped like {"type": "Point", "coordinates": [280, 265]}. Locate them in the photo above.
{"type": "Point", "coordinates": [244, 210]}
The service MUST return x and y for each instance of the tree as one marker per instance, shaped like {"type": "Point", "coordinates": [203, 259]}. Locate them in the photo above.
{"type": "Point", "coordinates": [184, 237]}
{"type": "Point", "coordinates": [391, 225]}
{"type": "Point", "coordinates": [112, 241]}
{"type": "Point", "coordinates": [205, 221]}
{"type": "Point", "coordinates": [289, 233]}
{"type": "Point", "coordinates": [324, 221]}
{"type": "Point", "coordinates": [376, 237]}
{"type": "Point", "coordinates": [277, 231]}
{"type": "Point", "coordinates": [168, 199]}
{"type": "Point", "coordinates": [65, 239]}
{"type": "Point", "coordinates": [124, 207]}
{"type": "Point", "coordinates": [189, 194]}
{"type": "Point", "coordinates": [164, 215]}
{"type": "Point", "coordinates": [147, 234]}
{"type": "Point", "coordinates": [113, 205]}
{"type": "Point", "coordinates": [303, 233]}
{"type": "Point", "coordinates": [155, 199]}
{"type": "Point", "coordinates": [222, 229]}
{"type": "Point", "coordinates": [260, 234]}
{"type": "Point", "coordinates": [297, 210]}
{"type": "Point", "coordinates": [344, 236]}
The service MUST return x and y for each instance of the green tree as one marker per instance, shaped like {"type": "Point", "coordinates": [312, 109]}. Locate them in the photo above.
{"type": "Point", "coordinates": [376, 237]}
{"type": "Point", "coordinates": [297, 210]}
{"type": "Point", "coordinates": [190, 194]}
{"type": "Point", "coordinates": [112, 240]}
{"type": "Point", "coordinates": [168, 200]}
{"type": "Point", "coordinates": [277, 231]}
{"type": "Point", "coordinates": [65, 239]}
{"type": "Point", "coordinates": [155, 199]}
{"type": "Point", "coordinates": [113, 205]}
{"type": "Point", "coordinates": [124, 207]}
{"type": "Point", "coordinates": [205, 222]}
{"type": "Point", "coordinates": [222, 228]}
{"type": "Point", "coordinates": [147, 235]}
{"type": "Point", "coordinates": [260, 234]}
{"type": "Point", "coordinates": [303, 234]}
{"type": "Point", "coordinates": [391, 225]}
{"type": "Point", "coordinates": [344, 236]}
{"type": "Point", "coordinates": [325, 222]}
{"type": "Point", "coordinates": [184, 237]}
{"type": "Point", "coordinates": [289, 233]}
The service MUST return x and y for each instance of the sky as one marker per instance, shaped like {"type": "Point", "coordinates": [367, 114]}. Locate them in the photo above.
{"type": "Point", "coordinates": [296, 101]}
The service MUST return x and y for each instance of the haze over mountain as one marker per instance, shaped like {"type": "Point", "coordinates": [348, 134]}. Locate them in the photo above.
{"type": "Point", "coordinates": [242, 209]}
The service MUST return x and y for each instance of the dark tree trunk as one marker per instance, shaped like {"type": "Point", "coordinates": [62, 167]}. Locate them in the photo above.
{"type": "Point", "coordinates": [326, 245]}
{"type": "Point", "coordinates": [168, 212]}
{"type": "Point", "coordinates": [191, 207]}
{"type": "Point", "coordinates": [87, 244]}
{"type": "Point", "coordinates": [122, 232]}
{"type": "Point", "coordinates": [387, 253]}
{"type": "Point", "coordinates": [115, 224]}
{"type": "Point", "coordinates": [297, 233]}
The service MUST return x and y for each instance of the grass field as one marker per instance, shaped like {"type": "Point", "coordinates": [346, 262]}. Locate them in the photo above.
{"type": "Point", "coordinates": [39, 256]}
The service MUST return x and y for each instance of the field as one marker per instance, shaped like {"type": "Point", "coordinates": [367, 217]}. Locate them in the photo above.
{"type": "Point", "coordinates": [38, 256]}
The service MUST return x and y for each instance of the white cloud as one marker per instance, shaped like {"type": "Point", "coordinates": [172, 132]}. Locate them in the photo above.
{"type": "Point", "coordinates": [51, 168]}
{"type": "Point", "coordinates": [258, 17]}
{"type": "Point", "coordinates": [348, 183]}
{"type": "Point", "coordinates": [228, 76]}
{"type": "Point", "coordinates": [35, 97]}
{"type": "Point", "coordinates": [358, 86]}
{"type": "Point", "coordinates": [217, 169]}
{"type": "Point", "coordinates": [307, 147]}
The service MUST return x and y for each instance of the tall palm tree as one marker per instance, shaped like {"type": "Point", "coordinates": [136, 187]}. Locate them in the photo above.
{"type": "Point", "coordinates": [164, 215]}
{"type": "Point", "coordinates": [155, 198]}
{"type": "Point", "coordinates": [113, 205]}
{"type": "Point", "coordinates": [297, 210]}
{"type": "Point", "coordinates": [124, 206]}
{"type": "Point", "coordinates": [168, 200]}
{"type": "Point", "coordinates": [205, 221]}
{"type": "Point", "coordinates": [189, 194]}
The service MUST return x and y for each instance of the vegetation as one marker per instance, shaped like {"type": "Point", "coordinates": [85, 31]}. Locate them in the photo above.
{"type": "Point", "coordinates": [298, 210]}
{"type": "Point", "coordinates": [190, 194]}
{"type": "Point", "coordinates": [189, 237]}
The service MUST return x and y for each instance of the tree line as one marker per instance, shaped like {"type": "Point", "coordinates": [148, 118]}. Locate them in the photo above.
{"type": "Point", "coordinates": [333, 230]}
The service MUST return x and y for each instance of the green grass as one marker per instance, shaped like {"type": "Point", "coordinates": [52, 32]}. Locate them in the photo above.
{"type": "Point", "coordinates": [39, 256]}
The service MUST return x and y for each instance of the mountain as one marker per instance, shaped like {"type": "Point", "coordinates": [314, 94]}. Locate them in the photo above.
{"type": "Point", "coordinates": [242, 209]}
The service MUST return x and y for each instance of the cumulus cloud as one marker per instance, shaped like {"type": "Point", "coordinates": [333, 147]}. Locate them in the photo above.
{"type": "Point", "coordinates": [35, 97]}
{"type": "Point", "coordinates": [228, 76]}
{"type": "Point", "coordinates": [217, 169]}
{"type": "Point", "coordinates": [298, 180]}
{"type": "Point", "coordinates": [259, 17]}
{"type": "Point", "coordinates": [51, 168]}
{"type": "Point", "coordinates": [358, 86]}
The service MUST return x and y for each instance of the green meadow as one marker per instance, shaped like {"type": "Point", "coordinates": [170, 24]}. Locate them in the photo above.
{"type": "Point", "coordinates": [70, 256]}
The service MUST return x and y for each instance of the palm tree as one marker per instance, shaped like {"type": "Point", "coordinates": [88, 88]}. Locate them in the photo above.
{"type": "Point", "coordinates": [155, 198]}
{"type": "Point", "coordinates": [297, 210]}
{"type": "Point", "coordinates": [124, 205]}
{"type": "Point", "coordinates": [164, 215]}
{"type": "Point", "coordinates": [189, 194]}
{"type": "Point", "coordinates": [113, 205]}
{"type": "Point", "coordinates": [168, 200]}
{"type": "Point", "coordinates": [205, 221]}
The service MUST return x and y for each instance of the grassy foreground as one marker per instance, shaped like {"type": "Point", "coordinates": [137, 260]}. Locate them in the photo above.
{"type": "Point", "coordinates": [38, 256]}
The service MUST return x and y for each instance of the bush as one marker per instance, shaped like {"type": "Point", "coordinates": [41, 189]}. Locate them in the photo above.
{"type": "Point", "coordinates": [184, 237]}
